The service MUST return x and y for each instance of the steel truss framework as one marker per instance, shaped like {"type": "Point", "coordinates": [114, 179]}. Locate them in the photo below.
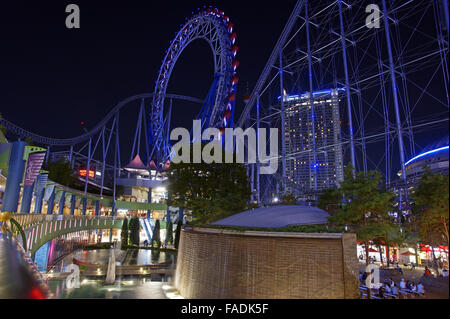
{"type": "Point", "coordinates": [389, 74]}
{"type": "Point", "coordinates": [101, 146]}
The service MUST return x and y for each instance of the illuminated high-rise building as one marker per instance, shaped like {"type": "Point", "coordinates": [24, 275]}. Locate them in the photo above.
{"type": "Point", "coordinates": [307, 174]}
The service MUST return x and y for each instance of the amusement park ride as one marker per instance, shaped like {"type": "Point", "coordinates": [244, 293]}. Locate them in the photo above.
{"type": "Point", "coordinates": [323, 45]}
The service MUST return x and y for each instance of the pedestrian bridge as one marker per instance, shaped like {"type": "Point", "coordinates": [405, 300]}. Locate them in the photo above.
{"type": "Point", "coordinates": [39, 229]}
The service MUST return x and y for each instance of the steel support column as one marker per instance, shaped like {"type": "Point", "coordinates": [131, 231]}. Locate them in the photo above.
{"type": "Point", "coordinates": [347, 88]}
{"type": "Point", "coordinates": [311, 98]}
{"type": "Point", "coordinates": [258, 189]}
{"type": "Point", "coordinates": [395, 95]}
{"type": "Point", "coordinates": [283, 135]}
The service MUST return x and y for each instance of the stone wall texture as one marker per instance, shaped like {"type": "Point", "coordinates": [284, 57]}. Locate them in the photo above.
{"type": "Point", "coordinates": [216, 264]}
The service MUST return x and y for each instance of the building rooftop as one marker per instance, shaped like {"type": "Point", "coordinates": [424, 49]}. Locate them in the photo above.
{"type": "Point", "coordinates": [276, 217]}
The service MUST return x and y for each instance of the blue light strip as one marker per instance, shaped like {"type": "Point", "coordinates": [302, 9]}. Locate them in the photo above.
{"type": "Point", "coordinates": [426, 153]}
{"type": "Point", "coordinates": [293, 97]}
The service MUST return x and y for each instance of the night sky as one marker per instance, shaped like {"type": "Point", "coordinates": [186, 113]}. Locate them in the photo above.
{"type": "Point", "coordinates": [52, 78]}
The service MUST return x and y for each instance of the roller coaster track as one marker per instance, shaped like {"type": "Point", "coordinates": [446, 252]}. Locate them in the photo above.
{"type": "Point", "coordinates": [85, 137]}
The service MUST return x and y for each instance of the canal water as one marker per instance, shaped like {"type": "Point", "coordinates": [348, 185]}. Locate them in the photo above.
{"type": "Point", "coordinates": [125, 287]}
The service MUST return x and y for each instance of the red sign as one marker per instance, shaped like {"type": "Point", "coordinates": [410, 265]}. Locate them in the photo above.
{"type": "Point", "coordinates": [82, 173]}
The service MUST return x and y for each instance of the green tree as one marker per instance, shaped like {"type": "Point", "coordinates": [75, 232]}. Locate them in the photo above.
{"type": "Point", "coordinates": [431, 198]}
{"type": "Point", "coordinates": [124, 233]}
{"type": "Point", "coordinates": [177, 234]}
{"type": "Point", "coordinates": [156, 241]}
{"type": "Point", "coordinates": [169, 232]}
{"type": "Point", "coordinates": [134, 231]}
{"type": "Point", "coordinates": [209, 191]}
{"type": "Point", "coordinates": [61, 172]}
{"type": "Point", "coordinates": [330, 200]}
{"type": "Point", "coordinates": [366, 208]}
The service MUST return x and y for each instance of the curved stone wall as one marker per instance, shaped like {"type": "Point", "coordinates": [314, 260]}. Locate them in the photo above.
{"type": "Point", "coordinates": [215, 264]}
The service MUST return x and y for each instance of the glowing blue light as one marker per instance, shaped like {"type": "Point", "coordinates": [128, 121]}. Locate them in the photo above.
{"type": "Point", "coordinates": [292, 97]}
{"type": "Point", "coordinates": [426, 153]}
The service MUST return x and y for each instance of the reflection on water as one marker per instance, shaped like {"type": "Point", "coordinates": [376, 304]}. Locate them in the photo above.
{"type": "Point", "coordinates": [131, 288]}
{"type": "Point", "coordinates": [125, 287]}
{"type": "Point", "coordinates": [125, 257]}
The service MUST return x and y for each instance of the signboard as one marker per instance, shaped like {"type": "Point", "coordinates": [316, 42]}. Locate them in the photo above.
{"type": "Point", "coordinates": [82, 173]}
{"type": "Point", "coordinates": [34, 165]}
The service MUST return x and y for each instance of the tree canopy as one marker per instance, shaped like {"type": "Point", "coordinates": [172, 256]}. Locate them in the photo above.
{"type": "Point", "coordinates": [431, 198]}
{"type": "Point", "coordinates": [209, 191]}
{"type": "Point", "coordinates": [61, 172]}
{"type": "Point", "coordinates": [366, 207]}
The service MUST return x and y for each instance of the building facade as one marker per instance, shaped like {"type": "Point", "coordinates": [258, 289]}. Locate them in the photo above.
{"type": "Point", "coordinates": [305, 173]}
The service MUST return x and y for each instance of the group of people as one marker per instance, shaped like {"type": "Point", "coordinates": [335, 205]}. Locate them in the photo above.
{"type": "Point", "coordinates": [389, 288]}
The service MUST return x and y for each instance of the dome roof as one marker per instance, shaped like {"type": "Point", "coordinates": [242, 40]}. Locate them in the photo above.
{"type": "Point", "coordinates": [276, 217]}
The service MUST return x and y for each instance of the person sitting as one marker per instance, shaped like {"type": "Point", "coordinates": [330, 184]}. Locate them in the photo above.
{"type": "Point", "coordinates": [413, 289]}
{"type": "Point", "coordinates": [445, 273]}
{"type": "Point", "coordinates": [360, 276]}
{"type": "Point", "coordinates": [420, 288]}
{"type": "Point", "coordinates": [408, 285]}
{"type": "Point", "coordinates": [402, 284]}
{"type": "Point", "coordinates": [394, 290]}
{"type": "Point", "coordinates": [387, 289]}
{"type": "Point", "coordinates": [391, 283]}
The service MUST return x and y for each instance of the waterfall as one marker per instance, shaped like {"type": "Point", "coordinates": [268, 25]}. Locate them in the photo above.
{"type": "Point", "coordinates": [111, 273]}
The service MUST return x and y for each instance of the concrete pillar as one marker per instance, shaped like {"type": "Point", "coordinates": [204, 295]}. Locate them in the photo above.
{"type": "Point", "coordinates": [27, 196]}
{"type": "Point", "coordinates": [62, 202]}
{"type": "Point", "coordinates": [15, 176]}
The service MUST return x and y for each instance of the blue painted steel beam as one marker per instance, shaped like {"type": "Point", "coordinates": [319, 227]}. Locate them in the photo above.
{"type": "Point", "coordinates": [51, 202]}
{"type": "Point", "coordinates": [72, 204]}
{"type": "Point", "coordinates": [15, 176]}
{"type": "Point", "coordinates": [84, 206]}
{"type": "Point", "coordinates": [62, 202]}
{"type": "Point", "coordinates": [27, 196]}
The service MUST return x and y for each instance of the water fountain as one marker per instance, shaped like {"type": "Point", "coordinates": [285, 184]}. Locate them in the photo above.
{"type": "Point", "coordinates": [111, 272]}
